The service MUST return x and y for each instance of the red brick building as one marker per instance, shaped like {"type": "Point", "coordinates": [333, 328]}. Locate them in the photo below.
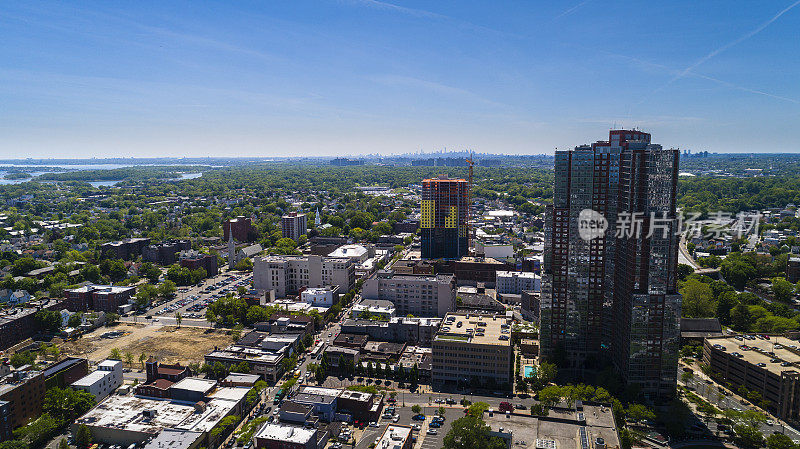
{"type": "Point", "coordinates": [242, 227]}
{"type": "Point", "coordinates": [100, 298]}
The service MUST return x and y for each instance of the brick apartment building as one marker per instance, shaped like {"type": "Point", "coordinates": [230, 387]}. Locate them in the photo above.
{"type": "Point", "coordinates": [100, 298]}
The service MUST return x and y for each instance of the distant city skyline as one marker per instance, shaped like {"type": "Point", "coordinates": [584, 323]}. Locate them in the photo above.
{"type": "Point", "coordinates": [353, 77]}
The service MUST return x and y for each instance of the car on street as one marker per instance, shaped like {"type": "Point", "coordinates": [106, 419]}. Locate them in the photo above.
{"type": "Point", "coordinates": [419, 417]}
{"type": "Point", "coordinates": [432, 432]}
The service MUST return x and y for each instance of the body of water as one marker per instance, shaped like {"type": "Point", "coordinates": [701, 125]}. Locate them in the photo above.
{"type": "Point", "coordinates": [4, 181]}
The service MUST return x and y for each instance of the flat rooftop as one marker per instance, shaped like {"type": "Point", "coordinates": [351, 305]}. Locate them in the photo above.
{"type": "Point", "coordinates": [566, 433]}
{"type": "Point", "coordinates": [91, 378]}
{"type": "Point", "coordinates": [195, 384]}
{"type": "Point", "coordinates": [393, 437]}
{"type": "Point", "coordinates": [475, 329]}
{"type": "Point", "coordinates": [126, 413]}
{"type": "Point", "coordinates": [283, 432]}
{"type": "Point", "coordinates": [322, 391]}
{"type": "Point", "coordinates": [761, 350]}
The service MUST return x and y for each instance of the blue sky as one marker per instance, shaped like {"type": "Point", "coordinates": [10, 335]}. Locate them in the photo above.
{"type": "Point", "coordinates": [274, 78]}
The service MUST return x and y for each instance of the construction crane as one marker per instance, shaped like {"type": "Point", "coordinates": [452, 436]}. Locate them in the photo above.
{"type": "Point", "coordinates": [469, 201]}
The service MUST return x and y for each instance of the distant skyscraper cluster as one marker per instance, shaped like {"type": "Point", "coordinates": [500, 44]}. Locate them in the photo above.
{"type": "Point", "coordinates": [610, 262]}
{"type": "Point", "coordinates": [443, 225]}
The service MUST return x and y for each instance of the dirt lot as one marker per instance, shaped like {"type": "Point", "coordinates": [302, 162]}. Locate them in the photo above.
{"type": "Point", "coordinates": [166, 343]}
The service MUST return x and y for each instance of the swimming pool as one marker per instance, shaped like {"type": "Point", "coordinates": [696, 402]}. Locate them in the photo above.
{"type": "Point", "coordinates": [529, 371]}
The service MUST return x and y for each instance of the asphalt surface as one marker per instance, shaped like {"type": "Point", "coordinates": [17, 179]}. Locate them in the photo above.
{"type": "Point", "coordinates": [711, 392]}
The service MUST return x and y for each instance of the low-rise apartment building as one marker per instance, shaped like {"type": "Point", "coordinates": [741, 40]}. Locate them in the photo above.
{"type": "Point", "coordinates": [16, 324]}
{"type": "Point", "coordinates": [24, 390]}
{"type": "Point", "coordinates": [516, 282]}
{"type": "Point", "coordinates": [124, 249]}
{"type": "Point", "coordinates": [193, 260]}
{"type": "Point", "coordinates": [100, 298]}
{"type": "Point", "coordinates": [165, 253]}
{"type": "Point", "coordinates": [287, 275]}
{"type": "Point", "coordinates": [473, 349]}
{"type": "Point", "coordinates": [414, 330]}
{"type": "Point", "coordinates": [103, 381]}
{"type": "Point", "coordinates": [415, 295]}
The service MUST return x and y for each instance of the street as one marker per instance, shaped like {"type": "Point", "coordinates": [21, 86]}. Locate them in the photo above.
{"type": "Point", "coordinates": [709, 390]}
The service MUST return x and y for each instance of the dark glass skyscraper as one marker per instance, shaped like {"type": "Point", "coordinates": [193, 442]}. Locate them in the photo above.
{"type": "Point", "coordinates": [583, 312]}
{"type": "Point", "coordinates": [443, 225]}
{"type": "Point", "coordinates": [646, 305]}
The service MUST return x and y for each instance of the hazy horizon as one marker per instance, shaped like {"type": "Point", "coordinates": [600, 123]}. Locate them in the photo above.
{"type": "Point", "coordinates": [354, 77]}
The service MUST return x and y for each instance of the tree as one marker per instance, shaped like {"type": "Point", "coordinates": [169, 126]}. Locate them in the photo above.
{"type": "Point", "coordinates": [75, 320]}
{"type": "Point", "coordinates": [245, 264]}
{"type": "Point", "coordinates": [167, 289]}
{"type": "Point", "coordinates": [782, 289]}
{"type": "Point", "coordinates": [129, 358]}
{"type": "Point", "coordinates": [17, 444]}
{"type": "Point", "coordinates": [48, 320]}
{"type": "Point", "coordinates": [737, 272]}
{"type": "Point", "coordinates": [698, 299]}
{"type": "Point", "coordinates": [115, 354]}
{"type": "Point", "coordinates": [470, 432]}
{"type": "Point", "coordinates": [66, 404]}
{"type": "Point", "coordinates": [178, 318]}
{"type": "Point", "coordinates": [725, 302]}
{"type": "Point", "coordinates": [83, 437]}
{"type": "Point", "coordinates": [242, 367]}
{"type": "Point", "coordinates": [142, 358]}
{"type": "Point", "coordinates": [638, 412]}
{"type": "Point", "coordinates": [145, 295]}
{"type": "Point", "coordinates": [440, 411]}
{"type": "Point", "coordinates": [476, 410]}
{"type": "Point", "coordinates": [748, 437]}
{"type": "Point", "coordinates": [151, 272]}
{"type": "Point", "coordinates": [63, 444]}
{"type": "Point", "coordinates": [416, 409]}
{"type": "Point", "coordinates": [547, 372]}
{"type": "Point", "coordinates": [780, 441]}
{"type": "Point", "coordinates": [740, 318]}
{"type": "Point", "coordinates": [223, 425]}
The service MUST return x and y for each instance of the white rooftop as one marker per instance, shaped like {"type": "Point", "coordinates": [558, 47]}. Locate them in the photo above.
{"type": "Point", "coordinates": [282, 432]}
{"type": "Point", "coordinates": [393, 437]}
{"type": "Point", "coordinates": [126, 413]}
{"type": "Point", "coordinates": [91, 378]}
{"type": "Point", "coordinates": [195, 384]}
{"type": "Point", "coordinates": [355, 251]}
{"type": "Point", "coordinates": [322, 391]}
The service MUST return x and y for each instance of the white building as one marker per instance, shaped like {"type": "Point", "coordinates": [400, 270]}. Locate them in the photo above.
{"type": "Point", "coordinates": [102, 382]}
{"type": "Point", "coordinates": [515, 282]}
{"type": "Point", "coordinates": [494, 250]}
{"type": "Point", "coordinates": [358, 253]}
{"type": "Point", "coordinates": [286, 275]}
{"type": "Point", "coordinates": [394, 437]}
{"type": "Point", "coordinates": [374, 307]}
{"type": "Point", "coordinates": [416, 295]}
{"type": "Point", "coordinates": [282, 435]}
{"type": "Point", "coordinates": [320, 296]}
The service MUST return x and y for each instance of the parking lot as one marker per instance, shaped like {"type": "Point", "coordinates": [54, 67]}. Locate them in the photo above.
{"type": "Point", "coordinates": [192, 301]}
{"type": "Point", "coordinates": [405, 417]}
